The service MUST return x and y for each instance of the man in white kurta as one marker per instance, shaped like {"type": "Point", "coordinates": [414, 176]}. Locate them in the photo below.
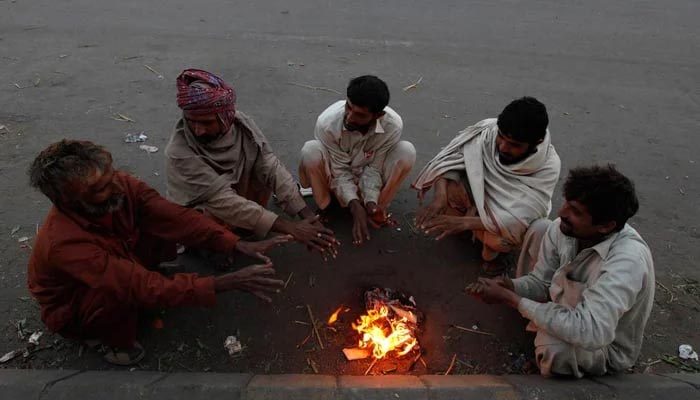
{"type": "Point", "coordinates": [358, 155]}
{"type": "Point", "coordinates": [592, 288]}
{"type": "Point", "coordinates": [494, 179]}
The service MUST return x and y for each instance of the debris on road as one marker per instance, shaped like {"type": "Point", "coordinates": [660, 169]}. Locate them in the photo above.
{"type": "Point", "coordinates": [413, 85]}
{"type": "Point", "coordinates": [156, 73]}
{"type": "Point", "coordinates": [15, 230]}
{"type": "Point", "coordinates": [19, 325]}
{"type": "Point", "coordinates": [461, 328]}
{"type": "Point", "coordinates": [686, 352]}
{"type": "Point", "coordinates": [315, 328]}
{"type": "Point", "coordinates": [233, 345]}
{"type": "Point", "coordinates": [325, 89]}
{"type": "Point", "coordinates": [286, 283]}
{"type": "Point", "coordinates": [312, 364]}
{"type": "Point", "coordinates": [135, 137]}
{"type": "Point", "coordinates": [34, 339]}
{"type": "Point", "coordinates": [148, 149]}
{"type": "Point", "coordinates": [10, 356]}
{"type": "Point", "coordinates": [122, 118]}
{"type": "Point", "coordinates": [23, 239]}
{"type": "Point", "coordinates": [452, 364]}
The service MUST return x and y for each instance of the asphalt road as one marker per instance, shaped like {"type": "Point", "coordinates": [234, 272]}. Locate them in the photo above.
{"type": "Point", "coordinates": [621, 82]}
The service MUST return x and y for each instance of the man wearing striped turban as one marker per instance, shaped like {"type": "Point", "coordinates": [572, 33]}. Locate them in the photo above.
{"type": "Point", "coordinates": [220, 162]}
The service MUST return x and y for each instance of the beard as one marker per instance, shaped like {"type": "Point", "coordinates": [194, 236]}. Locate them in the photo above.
{"type": "Point", "coordinates": [207, 139]}
{"type": "Point", "coordinates": [353, 127]}
{"type": "Point", "coordinates": [114, 203]}
{"type": "Point", "coordinates": [566, 228]}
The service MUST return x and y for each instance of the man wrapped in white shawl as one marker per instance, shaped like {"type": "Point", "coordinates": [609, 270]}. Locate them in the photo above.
{"type": "Point", "coordinates": [494, 179]}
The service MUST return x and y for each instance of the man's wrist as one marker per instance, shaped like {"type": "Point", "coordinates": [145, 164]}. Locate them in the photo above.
{"type": "Point", "coordinates": [306, 213]}
{"type": "Point", "coordinates": [513, 299]}
{"type": "Point", "coordinates": [282, 225]}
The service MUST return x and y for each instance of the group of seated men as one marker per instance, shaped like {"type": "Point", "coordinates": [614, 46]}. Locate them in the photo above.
{"type": "Point", "coordinates": [585, 280]}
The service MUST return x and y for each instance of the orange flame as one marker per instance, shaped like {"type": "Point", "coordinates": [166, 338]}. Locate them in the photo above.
{"type": "Point", "coordinates": [334, 316]}
{"type": "Point", "coordinates": [383, 334]}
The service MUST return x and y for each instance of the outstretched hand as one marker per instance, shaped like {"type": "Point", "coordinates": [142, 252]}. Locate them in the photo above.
{"type": "Point", "coordinates": [435, 208]}
{"type": "Point", "coordinates": [258, 249]}
{"type": "Point", "coordinates": [255, 279]}
{"type": "Point", "coordinates": [445, 225]}
{"type": "Point", "coordinates": [494, 291]}
{"type": "Point", "coordinates": [314, 235]}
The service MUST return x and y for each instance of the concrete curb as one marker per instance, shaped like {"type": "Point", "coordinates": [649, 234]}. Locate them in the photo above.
{"type": "Point", "coordinates": [102, 385]}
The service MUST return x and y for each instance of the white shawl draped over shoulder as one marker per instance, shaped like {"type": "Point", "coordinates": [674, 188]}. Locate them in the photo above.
{"type": "Point", "coordinates": [508, 197]}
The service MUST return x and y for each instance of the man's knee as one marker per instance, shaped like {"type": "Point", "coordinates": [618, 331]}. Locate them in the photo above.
{"type": "Point", "coordinates": [312, 153]}
{"type": "Point", "coordinates": [406, 154]}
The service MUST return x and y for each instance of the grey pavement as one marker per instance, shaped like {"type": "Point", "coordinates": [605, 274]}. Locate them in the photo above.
{"type": "Point", "coordinates": [54, 384]}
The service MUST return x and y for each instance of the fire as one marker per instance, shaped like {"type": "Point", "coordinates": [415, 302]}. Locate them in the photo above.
{"type": "Point", "coordinates": [383, 334]}
{"type": "Point", "coordinates": [334, 316]}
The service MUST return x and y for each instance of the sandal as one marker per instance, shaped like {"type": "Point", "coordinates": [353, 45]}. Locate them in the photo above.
{"type": "Point", "coordinates": [492, 269]}
{"type": "Point", "coordinates": [125, 357]}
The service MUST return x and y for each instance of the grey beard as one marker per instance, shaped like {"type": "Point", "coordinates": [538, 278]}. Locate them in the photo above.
{"type": "Point", "coordinates": [114, 203]}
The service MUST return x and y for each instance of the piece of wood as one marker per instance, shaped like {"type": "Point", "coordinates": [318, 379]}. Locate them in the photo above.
{"type": "Point", "coordinates": [355, 353]}
{"type": "Point", "coordinates": [452, 364]}
{"type": "Point", "coordinates": [371, 366]}
{"type": "Point", "coordinates": [461, 328]}
{"type": "Point", "coordinates": [288, 279]}
{"type": "Point", "coordinates": [313, 323]}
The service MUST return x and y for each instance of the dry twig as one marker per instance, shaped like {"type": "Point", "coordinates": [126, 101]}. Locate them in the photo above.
{"type": "Point", "coordinates": [371, 366]}
{"type": "Point", "coordinates": [313, 323]}
{"type": "Point", "coordinates": [158, 74]}
{"type": "Point", "coordinates": [288, 279]}
{"type": "Point", "coordinates": [325, 89]}
{"type": "Point", "coordinates": [452, 364]}
{"type": "Point", "coordinates": [461, 328]}
{"type": "Point", "coordinates": [413, 85]}
{"type": "Point", "coordinates": [670, 293]}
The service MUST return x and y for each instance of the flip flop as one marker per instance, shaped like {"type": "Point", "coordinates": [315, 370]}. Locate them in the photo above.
{"type": "Point", "coordinates": [125, 357]}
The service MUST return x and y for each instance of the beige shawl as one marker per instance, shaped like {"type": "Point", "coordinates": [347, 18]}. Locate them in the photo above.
{"type": "Point", "coordinates": [508, 197]}
{"type": "Point", "coordinates": [197, 171]}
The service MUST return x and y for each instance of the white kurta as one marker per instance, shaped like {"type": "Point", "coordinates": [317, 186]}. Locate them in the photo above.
{"type": "Point", "coordinates": [356, 159]}
{"type": "Point", "coordinates": [597, 299]}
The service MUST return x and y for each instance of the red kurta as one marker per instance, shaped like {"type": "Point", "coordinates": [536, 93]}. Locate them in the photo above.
{"type": "Point", "coordinates": [81, 272]}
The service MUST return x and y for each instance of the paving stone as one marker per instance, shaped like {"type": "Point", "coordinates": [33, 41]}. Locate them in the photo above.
{"type": "Point", "coordinates": [105, 385]}
{"type": "Point", "coordinates": [646, 386]}
{"type": "Point", "coordinates": [536, 387]}
{"type": "Point", "coordinates": [468, 387]}
{"type": "Point", "coordinates": [692, 379]}
{"type": "Point", "coordinates": [27, 383]}
{"type": "Point", "coordinates": [291, 387]}
{"type": "Point", "coordinates": [403, 387]}
{"type": "Point", "coordinates": [205, 386]}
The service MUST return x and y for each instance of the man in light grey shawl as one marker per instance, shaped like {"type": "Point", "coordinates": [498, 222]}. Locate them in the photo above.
{"type": "Point", "coordinates": [494, 179]}
{"type": "Point", "coordinates": [219, 162]}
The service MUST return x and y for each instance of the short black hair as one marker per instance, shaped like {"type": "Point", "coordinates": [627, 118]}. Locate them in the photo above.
{"type": "Point", "coordinates": [369, 92]}
{"type": "Point", "coordinates": [607, 194]}
{"type": "Point", "coordinates": [65, 162]}
{"type": "Point", "coordinates": [525, 120]}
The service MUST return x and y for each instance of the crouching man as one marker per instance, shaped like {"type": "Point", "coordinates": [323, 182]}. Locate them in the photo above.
{"type": "Point", "coordinates": [90, 268]}
{"type": "Point", "coordinates": [592, 288]}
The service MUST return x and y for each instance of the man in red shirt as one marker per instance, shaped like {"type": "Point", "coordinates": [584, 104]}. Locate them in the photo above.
{"type": "Point", "coordinates": [90, 268]}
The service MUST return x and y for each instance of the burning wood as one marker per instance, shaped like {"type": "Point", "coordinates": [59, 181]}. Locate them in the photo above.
{"type": "Point", "coordinates": [389, 325]}
{"type": "Point", "coordinates": [356, 354]}
{"type": "Point", "coordinates": [334, 316]}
